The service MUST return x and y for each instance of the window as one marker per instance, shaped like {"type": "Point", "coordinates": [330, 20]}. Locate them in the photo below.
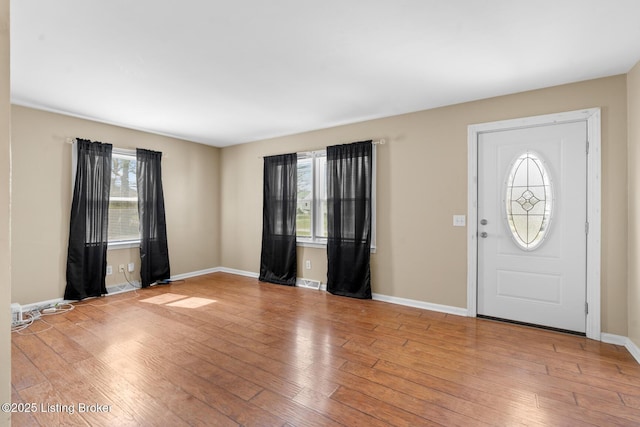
{"type": "Point", "coordinates": [311, 213]}
{"type": "Point", "coordinates": [124, 223]}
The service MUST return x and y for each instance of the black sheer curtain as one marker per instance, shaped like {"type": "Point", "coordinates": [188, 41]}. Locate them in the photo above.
{"type": "Point", "coordinates": [278, 261]}
{"type": "Point", "coordinates": [154, 253]}
{"type": "Point", "coordinates": [349, 179]}
{"type": "Point", "coordinates": [88, 239]}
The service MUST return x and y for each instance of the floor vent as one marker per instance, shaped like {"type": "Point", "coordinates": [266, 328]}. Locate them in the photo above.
{"type": "Point", "coordinates": [308, 283]}
{"type": "Point", "coordinates": [125, 287]}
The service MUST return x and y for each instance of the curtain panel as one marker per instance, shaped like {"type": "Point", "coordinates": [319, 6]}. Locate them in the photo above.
{"type": "Point", "coordinates": [154, 252]}
{"type": "Point", "coordinates": [349, 181]}
{"type": "Point", "coordinates": [278, 261]}
{"type": "Point", "coordinates": [88, 238]}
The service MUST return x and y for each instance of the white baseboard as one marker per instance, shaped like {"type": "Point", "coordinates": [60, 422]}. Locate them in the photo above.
{"type": "Point", "coordinates": [613, 339]}
{"type": "Point", "coordinates": [633, 349]}
{"type": "Point", "coordinates": [421, 304]}
{"type": "Point", "coordinates": [196, 273]}
{"type": "Point", "coordinates": [623, 341]}
{"type": "Point", "coordinates": [42, 304]}
{"type": "Point", "coordinates": [238, 272]}
{"type": "Point", "coordinates": [254, 275]}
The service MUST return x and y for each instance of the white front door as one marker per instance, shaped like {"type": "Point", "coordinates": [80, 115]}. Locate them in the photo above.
{"type": "Point", "coordinates": [532, 215]}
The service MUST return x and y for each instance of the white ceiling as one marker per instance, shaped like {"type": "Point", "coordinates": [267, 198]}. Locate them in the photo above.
{"type": "Point", "coordinates": [227, 72]}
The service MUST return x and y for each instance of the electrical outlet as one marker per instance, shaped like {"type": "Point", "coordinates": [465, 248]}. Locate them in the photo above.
{"type": "Point", "coordinates": [109, 270]}
{"type": "Point", "coordinates": [307, 264]}
{"type": "Point", "coordinates": [131, 267]}
{"type": "Point", "coordinates": [121, 268]}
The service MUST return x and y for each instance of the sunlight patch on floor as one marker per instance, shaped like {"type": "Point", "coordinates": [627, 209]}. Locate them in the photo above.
{"type": "Point", "coordinates": [193, 302]}
{"type": "Point", "coordinates": [177, 300]}
{"type": "Point", "coordinates": [164, 298]}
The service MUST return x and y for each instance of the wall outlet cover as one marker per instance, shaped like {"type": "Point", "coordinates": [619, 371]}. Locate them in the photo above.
{"type": "Point", "coordinates": [459, 220]}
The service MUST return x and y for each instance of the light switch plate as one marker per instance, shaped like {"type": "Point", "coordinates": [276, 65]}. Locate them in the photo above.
{"type": "Point", "coordinates": [459, 220]}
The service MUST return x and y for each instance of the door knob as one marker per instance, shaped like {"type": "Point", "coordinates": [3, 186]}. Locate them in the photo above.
{"type": "Point", "coordinates": [484, 234]}
{"type": "Point", "coordinates": [483, 222]}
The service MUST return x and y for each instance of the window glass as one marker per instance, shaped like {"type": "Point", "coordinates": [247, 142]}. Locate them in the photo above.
{"type": "Point", "coordinates": [124, 224]}
{"type": "Point", "coordinates": [311, 214]}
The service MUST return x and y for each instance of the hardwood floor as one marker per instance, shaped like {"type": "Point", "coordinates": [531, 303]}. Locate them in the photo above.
{"type": "Point", "coordinates": [269, 355]}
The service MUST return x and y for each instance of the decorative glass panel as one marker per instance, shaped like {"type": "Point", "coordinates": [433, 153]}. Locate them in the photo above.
{"type": "Point", "coordinates": [528, 201]}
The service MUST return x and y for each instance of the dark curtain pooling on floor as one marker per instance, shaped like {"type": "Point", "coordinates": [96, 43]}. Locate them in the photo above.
{"type": "Point", "coordinates": [278, 262]}
{"type": "Point", "coordinates": [349, 179]}
{"type": "Point", "coordinates": [88, 239]}
{"type": "Point", "coordinates": [154, 253]}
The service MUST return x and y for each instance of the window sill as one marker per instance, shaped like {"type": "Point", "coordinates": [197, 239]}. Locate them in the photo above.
{"type": "Point", "coordinates": [321, 245]}
{"type": "Point", "coordinates": [129, 244]}
{"type": "Point", "coordinates": [318, 245]}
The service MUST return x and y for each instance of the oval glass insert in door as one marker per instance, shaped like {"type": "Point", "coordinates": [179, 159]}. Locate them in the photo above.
{"type": "Point", "coordinates": [529, 201]}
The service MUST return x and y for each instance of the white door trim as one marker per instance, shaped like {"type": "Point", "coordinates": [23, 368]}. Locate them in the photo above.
{"type": "Point", "coordinates": [592, 117]}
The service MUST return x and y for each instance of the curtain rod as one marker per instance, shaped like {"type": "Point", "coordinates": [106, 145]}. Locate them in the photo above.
{"type": "Point", "coordinates": [381, 141]}
{"type": "Point", "coordinates": [115, 149]}
{"type": "Point", "coordinates": [72, 140]}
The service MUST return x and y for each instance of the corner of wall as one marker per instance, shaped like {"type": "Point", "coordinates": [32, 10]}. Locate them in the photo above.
{"type": "Point", "coordinates": [633, 165]}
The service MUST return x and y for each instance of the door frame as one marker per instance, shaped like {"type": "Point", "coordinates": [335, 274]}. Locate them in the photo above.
{"type": "Point", "coordinates": [592, 118]}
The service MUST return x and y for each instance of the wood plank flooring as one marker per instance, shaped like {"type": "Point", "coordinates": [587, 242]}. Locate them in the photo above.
{"type": "Point", "coordinates": [225, 350]}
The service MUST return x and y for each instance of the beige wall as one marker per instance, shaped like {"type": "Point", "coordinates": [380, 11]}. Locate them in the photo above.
{"type": "Point", "coordinates": [5, 233]}
{"type": "Point", "coordinates": [217, 194]}
{"type": "Point", "coordinates": [633, 302]}
{"type": "Point", "coordinates": [42, 200]}
{"type": "Point", "coordinates": [422, 183]}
